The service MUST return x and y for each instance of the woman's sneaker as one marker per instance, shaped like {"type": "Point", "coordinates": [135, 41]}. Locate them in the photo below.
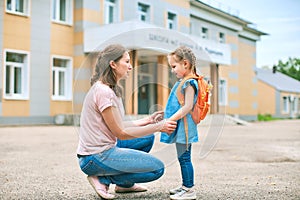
{"type": "Point", "coordinates": [184, 194]}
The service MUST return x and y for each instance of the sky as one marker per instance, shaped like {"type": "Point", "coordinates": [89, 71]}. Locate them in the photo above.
{"type": "Point", "coordinates": [280, 19]}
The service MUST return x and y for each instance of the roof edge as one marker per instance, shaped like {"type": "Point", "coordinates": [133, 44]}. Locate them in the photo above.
{"type": "Point", "coordinates": [243, 22]}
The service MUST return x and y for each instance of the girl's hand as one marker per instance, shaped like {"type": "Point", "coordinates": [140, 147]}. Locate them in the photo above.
{"type": "Point", "coordinates": [156, 117]}
{"type": "Point", "coordinates": [167, 126]}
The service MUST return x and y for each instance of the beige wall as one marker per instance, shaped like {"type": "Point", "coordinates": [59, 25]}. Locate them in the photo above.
{"type": "Point", "coordinates": [247, 85]}
{"type": "Point", "coordinates": [62, 44]}
{"type": "Point", "coordinates": [16, 36]}
{"type": "Point", "coordinates": [224, 74]}
{"type": "Point", "coordinates": [15, 108]}
{"type": "Point", "coordinates": [182, 4]}
{"type": "Point", "coordinates": [266, 99]}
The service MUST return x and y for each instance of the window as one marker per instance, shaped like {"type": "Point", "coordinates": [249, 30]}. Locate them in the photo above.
{"type": "Point", "coordinates": [110, 11]}
{"type": "Point", "coordinates": [62, 11]}
{"type": "Point", "coordinates": [204, 33]}
{"type": "Point", "coordinates": [285, 106]}
{"type": "Point", "coordinates": [16, 70]}
{"type": "Point", "coordinates": [171, 22]}
{"type": "Point", "coordinates": [19, 7]}
{"type": "Point", "coordinates": [294, 103]}
{"type": "Point", "coordinates": [61, 78]}
{"type": "Point", "coordinates": [143, 11]}
{"type": "Point", "coordinates": [294, 106]}
{"type": "Point", "coordinates": [222, 92]}
{"type": "Point", "coordinates": [298, 105]}
{"type": "Point", "coordinates": [221, 37]}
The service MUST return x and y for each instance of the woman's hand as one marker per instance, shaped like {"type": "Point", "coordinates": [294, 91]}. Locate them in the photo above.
{"type": "Point", "coordinates": [156, 117]}
{"type": "Point", "coordinates": [167, 126]}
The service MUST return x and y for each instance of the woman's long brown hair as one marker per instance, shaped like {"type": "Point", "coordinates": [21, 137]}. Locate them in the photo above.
{"type": "Point", "coordinates": [103, 72]}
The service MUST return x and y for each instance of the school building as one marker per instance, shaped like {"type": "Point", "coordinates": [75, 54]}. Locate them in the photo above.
{"type": "Point", "coordinates": [49, 50]}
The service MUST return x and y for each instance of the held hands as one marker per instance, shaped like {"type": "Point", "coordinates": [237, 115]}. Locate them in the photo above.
{"type": "Point", "coordinates": [166, 125]}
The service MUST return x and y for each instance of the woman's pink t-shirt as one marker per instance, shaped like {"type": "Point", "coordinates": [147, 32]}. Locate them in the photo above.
{"type": "Point", "coordinates": [94, 135]}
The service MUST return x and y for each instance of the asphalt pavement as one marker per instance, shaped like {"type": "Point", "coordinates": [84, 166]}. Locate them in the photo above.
{"type": "Point", "coordinates": [259, 160]}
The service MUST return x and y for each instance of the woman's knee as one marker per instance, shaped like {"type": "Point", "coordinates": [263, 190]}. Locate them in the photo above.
{"type": "Point", "coordinates": [160, 168]}
{"type": "Point", "coordinates": [158, 173]}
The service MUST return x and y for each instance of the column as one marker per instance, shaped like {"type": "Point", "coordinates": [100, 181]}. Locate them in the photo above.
{"type": "Point", "coordinates": [214, 74]}
{"type": "Point", "coordinates": [162, 81]}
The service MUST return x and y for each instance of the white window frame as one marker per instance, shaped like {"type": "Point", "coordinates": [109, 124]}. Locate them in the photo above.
{"type": "Point", "coordinates": [24, 95]}
{"type": "Point", "coordinates": [55, 12]}
{"type": "Point", "coordinates": [13, 9]}
{"type": "Point", "coordinates": [115, 10]}
{"type": "Point", "coordinates": [68, 78]}
{"type": "Point", "coordinates": [222, 37]}
{"type": "Point", "coordinates": [141, 13]}
{"type": "Point", "coordinates": [204, 32]}
{"type": "Point", "coordinates": [285, 104]}
{"type": "Point", "coordinates": [222, 90]}
{"type": "Point", "coordinates": [172, 22]}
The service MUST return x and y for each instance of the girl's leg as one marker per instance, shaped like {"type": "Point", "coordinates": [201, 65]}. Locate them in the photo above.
{"type": "Point", "coordinates": [187, 170]}
{"type": "Point", "coordinates": [123, 167]}
{"type": "Point", "coordinates": [143, 144]}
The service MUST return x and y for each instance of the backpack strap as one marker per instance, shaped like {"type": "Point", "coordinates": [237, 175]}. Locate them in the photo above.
{"type": "Point", "coordinates": [180, 98]}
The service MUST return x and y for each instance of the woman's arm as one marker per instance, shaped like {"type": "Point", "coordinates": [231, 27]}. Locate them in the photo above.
{"type": "Point", "coordinates": [188, 104]}
{"type": "Point", "coordinates": [154, 118]}
{"type": "Point", "coordinates": [114, 122]}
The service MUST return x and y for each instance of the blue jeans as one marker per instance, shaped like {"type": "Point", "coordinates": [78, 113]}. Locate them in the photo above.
{"type": "Point", "coordinates": [124, 166]}
{"type": "Point", "coordinates": [143, 144]}
{"type": "Point", "coordinates": [186, 166]}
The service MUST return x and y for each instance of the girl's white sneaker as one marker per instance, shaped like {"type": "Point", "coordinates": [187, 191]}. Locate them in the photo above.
{"type": "Point", "coordinates": [175, 190]}
{"type": "Point", "coordinates": [184, 194]}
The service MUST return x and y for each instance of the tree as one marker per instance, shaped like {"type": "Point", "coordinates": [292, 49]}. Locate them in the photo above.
{"type": "Point", "coordinates": [290, 68]}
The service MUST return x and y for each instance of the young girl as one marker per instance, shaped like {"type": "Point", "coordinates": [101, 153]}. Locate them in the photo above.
{"type": "Point", "coordinates": [183, 63]}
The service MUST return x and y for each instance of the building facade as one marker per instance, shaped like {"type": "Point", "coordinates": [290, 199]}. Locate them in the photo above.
{"type": "Point", "coordinates": [279, 94]}
{"type": "Point", "coordinates": [49, 49]}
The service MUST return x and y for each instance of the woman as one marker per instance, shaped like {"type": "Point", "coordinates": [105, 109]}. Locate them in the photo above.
{"type": "Point", "coordinates": [101, 124]}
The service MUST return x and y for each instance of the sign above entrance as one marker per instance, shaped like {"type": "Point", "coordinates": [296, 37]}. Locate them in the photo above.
{"type": "Point", "coordinates": [138, 35]}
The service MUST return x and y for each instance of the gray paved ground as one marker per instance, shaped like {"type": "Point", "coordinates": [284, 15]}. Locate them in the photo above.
{"type": "Point", "coordinates": [260, 161]}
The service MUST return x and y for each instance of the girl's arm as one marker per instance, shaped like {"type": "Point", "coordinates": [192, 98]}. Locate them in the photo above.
{"type": "Point", "coordinates": [154, 118]}
{"type": "Point", "coordinates": [114, 122]}
{"type": "Point", "coordinates": [188, 104]}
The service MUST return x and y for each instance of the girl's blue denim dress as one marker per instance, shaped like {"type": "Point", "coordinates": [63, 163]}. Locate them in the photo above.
{"type": "Point", "coordinates": [178, 136]}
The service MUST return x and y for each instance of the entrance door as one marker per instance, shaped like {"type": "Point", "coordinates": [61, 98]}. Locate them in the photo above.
{"type": "Point", "coordinates": [146, 93]}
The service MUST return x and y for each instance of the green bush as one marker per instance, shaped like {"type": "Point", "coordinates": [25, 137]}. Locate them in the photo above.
{"type": "Point", "coordinates": [265, 117]}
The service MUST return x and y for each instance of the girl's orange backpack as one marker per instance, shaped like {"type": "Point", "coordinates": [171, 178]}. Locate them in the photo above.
{"type": "Point", "coordinates": [202, 105]}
